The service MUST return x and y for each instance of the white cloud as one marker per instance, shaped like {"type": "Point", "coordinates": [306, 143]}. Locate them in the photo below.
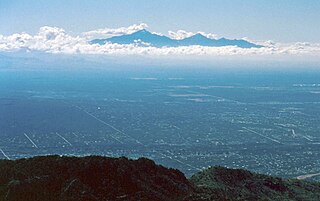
{"type": "Point", "coordinates": [181, 34]}
{"type": "Point", "coordinates": [57, 40]}
{"type": "Point", "coordinates": [209, 35]}
{"type": "Point", "coordinates": [109, 32]}
{"type": "Point", "coordinates": [48, 39]}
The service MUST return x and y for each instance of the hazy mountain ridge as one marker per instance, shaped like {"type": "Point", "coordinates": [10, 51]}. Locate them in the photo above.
{"type": "Point", "coordinates": [102, 178]}
{"type": "Point", "coordinates": [146, 38]}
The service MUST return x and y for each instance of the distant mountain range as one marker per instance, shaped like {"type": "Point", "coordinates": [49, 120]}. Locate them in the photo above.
{"type": "Point", "coordinates": [146, 38]}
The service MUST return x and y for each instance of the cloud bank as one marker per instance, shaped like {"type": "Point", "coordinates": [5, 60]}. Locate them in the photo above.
{"type": "Point", "coordinates": [57, 40]}
{"type": "Point", "coordinates": [110, 32]}
{"type": "Point", "coordinates": [181, 34]}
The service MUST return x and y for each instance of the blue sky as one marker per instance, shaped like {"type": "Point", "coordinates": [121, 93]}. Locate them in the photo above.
{"type": "Point", "coordinates": [277, 20]}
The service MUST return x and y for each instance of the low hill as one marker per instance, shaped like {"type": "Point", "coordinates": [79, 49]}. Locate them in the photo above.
{"type": "Point", "coordinates": [89, 178]}
{"type": "Point", "coordinates": [219, 183]}
{"type": "Point", "coordinates": [101, 178]}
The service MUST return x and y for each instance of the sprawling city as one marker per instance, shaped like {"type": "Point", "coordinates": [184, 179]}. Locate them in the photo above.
{"type": "Point", "coordinates": [186, 122]}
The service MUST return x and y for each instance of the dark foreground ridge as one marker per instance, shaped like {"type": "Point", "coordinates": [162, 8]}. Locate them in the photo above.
{"type": "Point", "coordinates": [101, 178]}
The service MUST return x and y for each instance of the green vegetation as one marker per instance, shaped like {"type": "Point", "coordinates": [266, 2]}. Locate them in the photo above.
{"type": "Point", "coordinates": [218, 183]}
{"type": "Point", "coordinates": [102, 178]}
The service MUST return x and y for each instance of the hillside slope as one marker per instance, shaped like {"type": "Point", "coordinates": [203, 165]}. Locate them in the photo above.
{"type": "Point", "coordinates": [89, 178]}
{"type": "Point", "coordinates": [219, 183]}
{"type": "Point", "coordinates": [101, 178]}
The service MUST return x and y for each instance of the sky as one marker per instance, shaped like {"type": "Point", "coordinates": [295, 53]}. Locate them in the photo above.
{"type": "Point", "coordinates": [276, 20]}
{"type": "Point", "coordinates": [288, 28]}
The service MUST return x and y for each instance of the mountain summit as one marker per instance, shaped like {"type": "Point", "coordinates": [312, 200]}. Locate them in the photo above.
{"type": "Point", "coordinates": [145, 38]}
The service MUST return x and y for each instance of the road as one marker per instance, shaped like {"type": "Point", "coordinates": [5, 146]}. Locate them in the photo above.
{"type": "Point", "coordinates": [306, 176]}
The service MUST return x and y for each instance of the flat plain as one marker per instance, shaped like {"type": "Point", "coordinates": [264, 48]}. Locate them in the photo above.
{"type": "Point", "coordinates": [268, 124]}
